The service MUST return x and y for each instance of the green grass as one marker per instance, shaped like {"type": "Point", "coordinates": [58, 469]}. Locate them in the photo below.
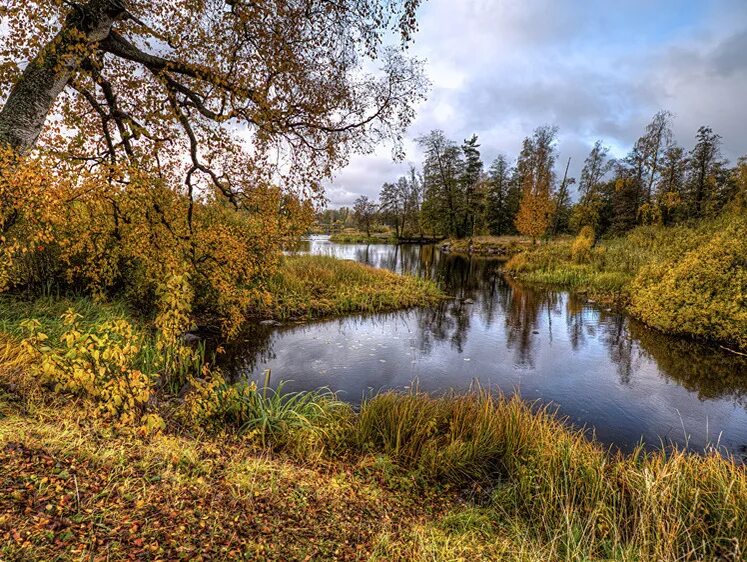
{"type": "Point", "coordinates": [413, 477]}
{"type": "Point", "coordinates": [315, 286]}
{"type": "Point", "coordinates": [553, 491]}
{"type": "Point", "coordinates": [48, 310]}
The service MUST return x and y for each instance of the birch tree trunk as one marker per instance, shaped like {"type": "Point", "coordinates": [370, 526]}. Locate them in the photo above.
{"type": "Point", "coordinates": [33, 95]}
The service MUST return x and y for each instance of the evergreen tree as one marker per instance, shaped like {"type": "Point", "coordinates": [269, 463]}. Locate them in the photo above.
{"type": "Point", "coordinates": [670, 188]}
{"type": "Point", "coordinates": [471, 195]}
{"type": "Point", "coordinates": [498, 214]}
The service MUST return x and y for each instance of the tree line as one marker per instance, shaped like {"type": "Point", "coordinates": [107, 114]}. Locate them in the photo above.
{"type": "Point", "coordinates": [454, 193]}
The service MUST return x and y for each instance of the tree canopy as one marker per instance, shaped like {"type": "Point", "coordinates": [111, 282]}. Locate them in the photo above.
{"type": "Point", "coordinates": [211, 91]}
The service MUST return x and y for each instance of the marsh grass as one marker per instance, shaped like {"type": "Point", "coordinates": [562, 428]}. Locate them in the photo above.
{"type": "Point", "coordinates": [556, 488]}
{"type": "Point", "coordinates": [503, 246]}
{"type": "Point", "coordinates": [314, 286]}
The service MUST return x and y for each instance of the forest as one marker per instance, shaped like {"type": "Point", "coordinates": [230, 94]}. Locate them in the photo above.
{"type": "Point", "coordinates": [456, 194]}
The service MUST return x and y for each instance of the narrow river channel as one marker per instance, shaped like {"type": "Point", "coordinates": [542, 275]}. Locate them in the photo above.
{"type": "Point", "coordinates": [601, 369]}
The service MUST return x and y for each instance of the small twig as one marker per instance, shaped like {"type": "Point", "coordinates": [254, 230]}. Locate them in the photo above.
{"type": "Point", "coordinates": [733, 350]}
{"type": "Point", "coordinates": [77, 492]}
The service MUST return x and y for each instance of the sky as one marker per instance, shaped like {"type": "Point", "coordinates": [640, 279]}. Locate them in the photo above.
{"type": "Point", "coordinates": [596, 69]}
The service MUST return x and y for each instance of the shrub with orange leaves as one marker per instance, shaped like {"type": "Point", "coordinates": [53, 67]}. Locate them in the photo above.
{"type": "Point", "coordinates": [125, 231]}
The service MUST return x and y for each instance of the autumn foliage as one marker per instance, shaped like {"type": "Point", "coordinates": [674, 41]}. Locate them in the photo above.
{"type": "Point", "coordinates": [141, 238]}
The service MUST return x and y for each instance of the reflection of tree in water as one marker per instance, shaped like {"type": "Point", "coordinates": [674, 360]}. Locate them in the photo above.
{"type": "Point", "coordinates": [581, 320]}
{"type": "Point", "coordinates": [616, 336]}
{"type": "Point", "coordinates": [707, 370]}
{"type": "Point", "coordinates": [524, 306]}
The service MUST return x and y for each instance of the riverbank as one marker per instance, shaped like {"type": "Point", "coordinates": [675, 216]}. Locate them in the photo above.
{"type": "Point", "coordinates": [487, 246]}
{"type": "Point", "coordinates": [683, 280]}
{"type": "Point", "coordinates": [407, 478]}
{"type": "Point", "coordinates": [386, 238]}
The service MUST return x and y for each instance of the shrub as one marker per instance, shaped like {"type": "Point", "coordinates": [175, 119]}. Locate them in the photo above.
{"type": "Point", "coordinates": [703, 292]}
{"type": "Point", "coordinates": [81, 231]}
{"type": "Point", "coordinates": [582, 245]}
{"type": "Point", "coordinates": [97, 363]}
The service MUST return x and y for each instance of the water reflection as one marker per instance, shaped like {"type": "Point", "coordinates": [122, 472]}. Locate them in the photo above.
{"type": "Point", "coordinates": [602, 369]}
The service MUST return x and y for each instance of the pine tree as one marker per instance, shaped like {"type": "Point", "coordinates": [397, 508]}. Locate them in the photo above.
{"type": "Point", "coordinates": [704, 164]}
{"type": "Point", "coordinates": [498, 214]}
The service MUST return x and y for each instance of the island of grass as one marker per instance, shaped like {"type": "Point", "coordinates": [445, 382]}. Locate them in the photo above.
{"type": "Point", "coordinates": [317, 286]}
{"type": "Point", "coordinates": [490, 246]}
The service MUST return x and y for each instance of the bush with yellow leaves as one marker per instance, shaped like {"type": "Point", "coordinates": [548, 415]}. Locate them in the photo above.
{"type": "Point", "coordinates": [98, 363]}
{"type": "Point", "coordinates": [701, 293]}
{"type": "Point", "coordinates": [582, 245]}
{"type": "Point", "coordinates": [126, 232]}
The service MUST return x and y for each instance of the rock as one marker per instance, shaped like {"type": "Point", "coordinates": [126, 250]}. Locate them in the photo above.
{"type": "Point", "coordinates": [189, 338]}
{"type": "Point", "coordinates": [535, 331]}
{"type": "Point", "coordinates": [468, 301]}
{"type": "Point", "coordinates": [269, 323]}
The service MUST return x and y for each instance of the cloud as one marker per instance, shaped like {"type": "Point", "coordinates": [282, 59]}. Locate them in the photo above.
{"type": "Point", "coordinates": [500, 68]}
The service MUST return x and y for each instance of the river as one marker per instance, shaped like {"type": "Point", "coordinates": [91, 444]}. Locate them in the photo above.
{"type": "Point", "coordinates": [601, 369]}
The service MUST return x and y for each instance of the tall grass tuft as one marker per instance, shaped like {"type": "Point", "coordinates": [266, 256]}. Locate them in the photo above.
{"type": "Point", "coordinates": [561, 489]}
{"type": "Point", "coordinates": [306, 424]}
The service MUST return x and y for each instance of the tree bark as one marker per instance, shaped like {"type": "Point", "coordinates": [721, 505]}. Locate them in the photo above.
{"type": "Point", "coordinates": [32, 97]}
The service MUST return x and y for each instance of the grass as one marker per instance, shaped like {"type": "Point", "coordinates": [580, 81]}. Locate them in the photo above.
{"type": "Point", "coordinates": [315, 286]}
{"type": "Point", "coordinates": [475, 476]}
{"type": "Point", "coordinates": [363, 238]}
{"type": "Point", "coordinates": [240, 472]}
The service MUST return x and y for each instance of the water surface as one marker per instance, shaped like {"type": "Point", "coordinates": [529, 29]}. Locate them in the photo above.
{"type": "Point", "coordinates": [601, 369]}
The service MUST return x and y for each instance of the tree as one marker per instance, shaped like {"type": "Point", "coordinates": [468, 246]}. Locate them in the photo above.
{"type": "Point", "coordinates": [535, 170]}
{"type": "Point", "coordinates": [499, 217]}
{"type": "Point", "coordinates": [628, 190]}
{"type": "Point", "coordinates": [151, 82]}
{"type": "Point", "coordinates": [442, 171]}
{"type": "Point", "coordinates": [653, 144]}
{"type": "Point", "coordinates": [593, 206]}
{"type": "Point", "coordinates": [702, 171]}
{"type": "Point", "coordinates": [471, 195]}
{"type": "Point", "coordinates": [670, 188]}
{"type": "Point", "coordinates": [562, 213]}
{"type": "Point", "coordinates": [364, 211]}
{"type": "Point", "coordinates": [393, 197]}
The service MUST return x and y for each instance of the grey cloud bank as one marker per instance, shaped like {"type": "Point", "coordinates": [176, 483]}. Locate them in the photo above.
{"type": "Point", "coordinates": [500, 68]}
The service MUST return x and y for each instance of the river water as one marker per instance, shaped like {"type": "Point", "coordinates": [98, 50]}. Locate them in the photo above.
{"type": "Point", "coordinates": [601, 369]}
